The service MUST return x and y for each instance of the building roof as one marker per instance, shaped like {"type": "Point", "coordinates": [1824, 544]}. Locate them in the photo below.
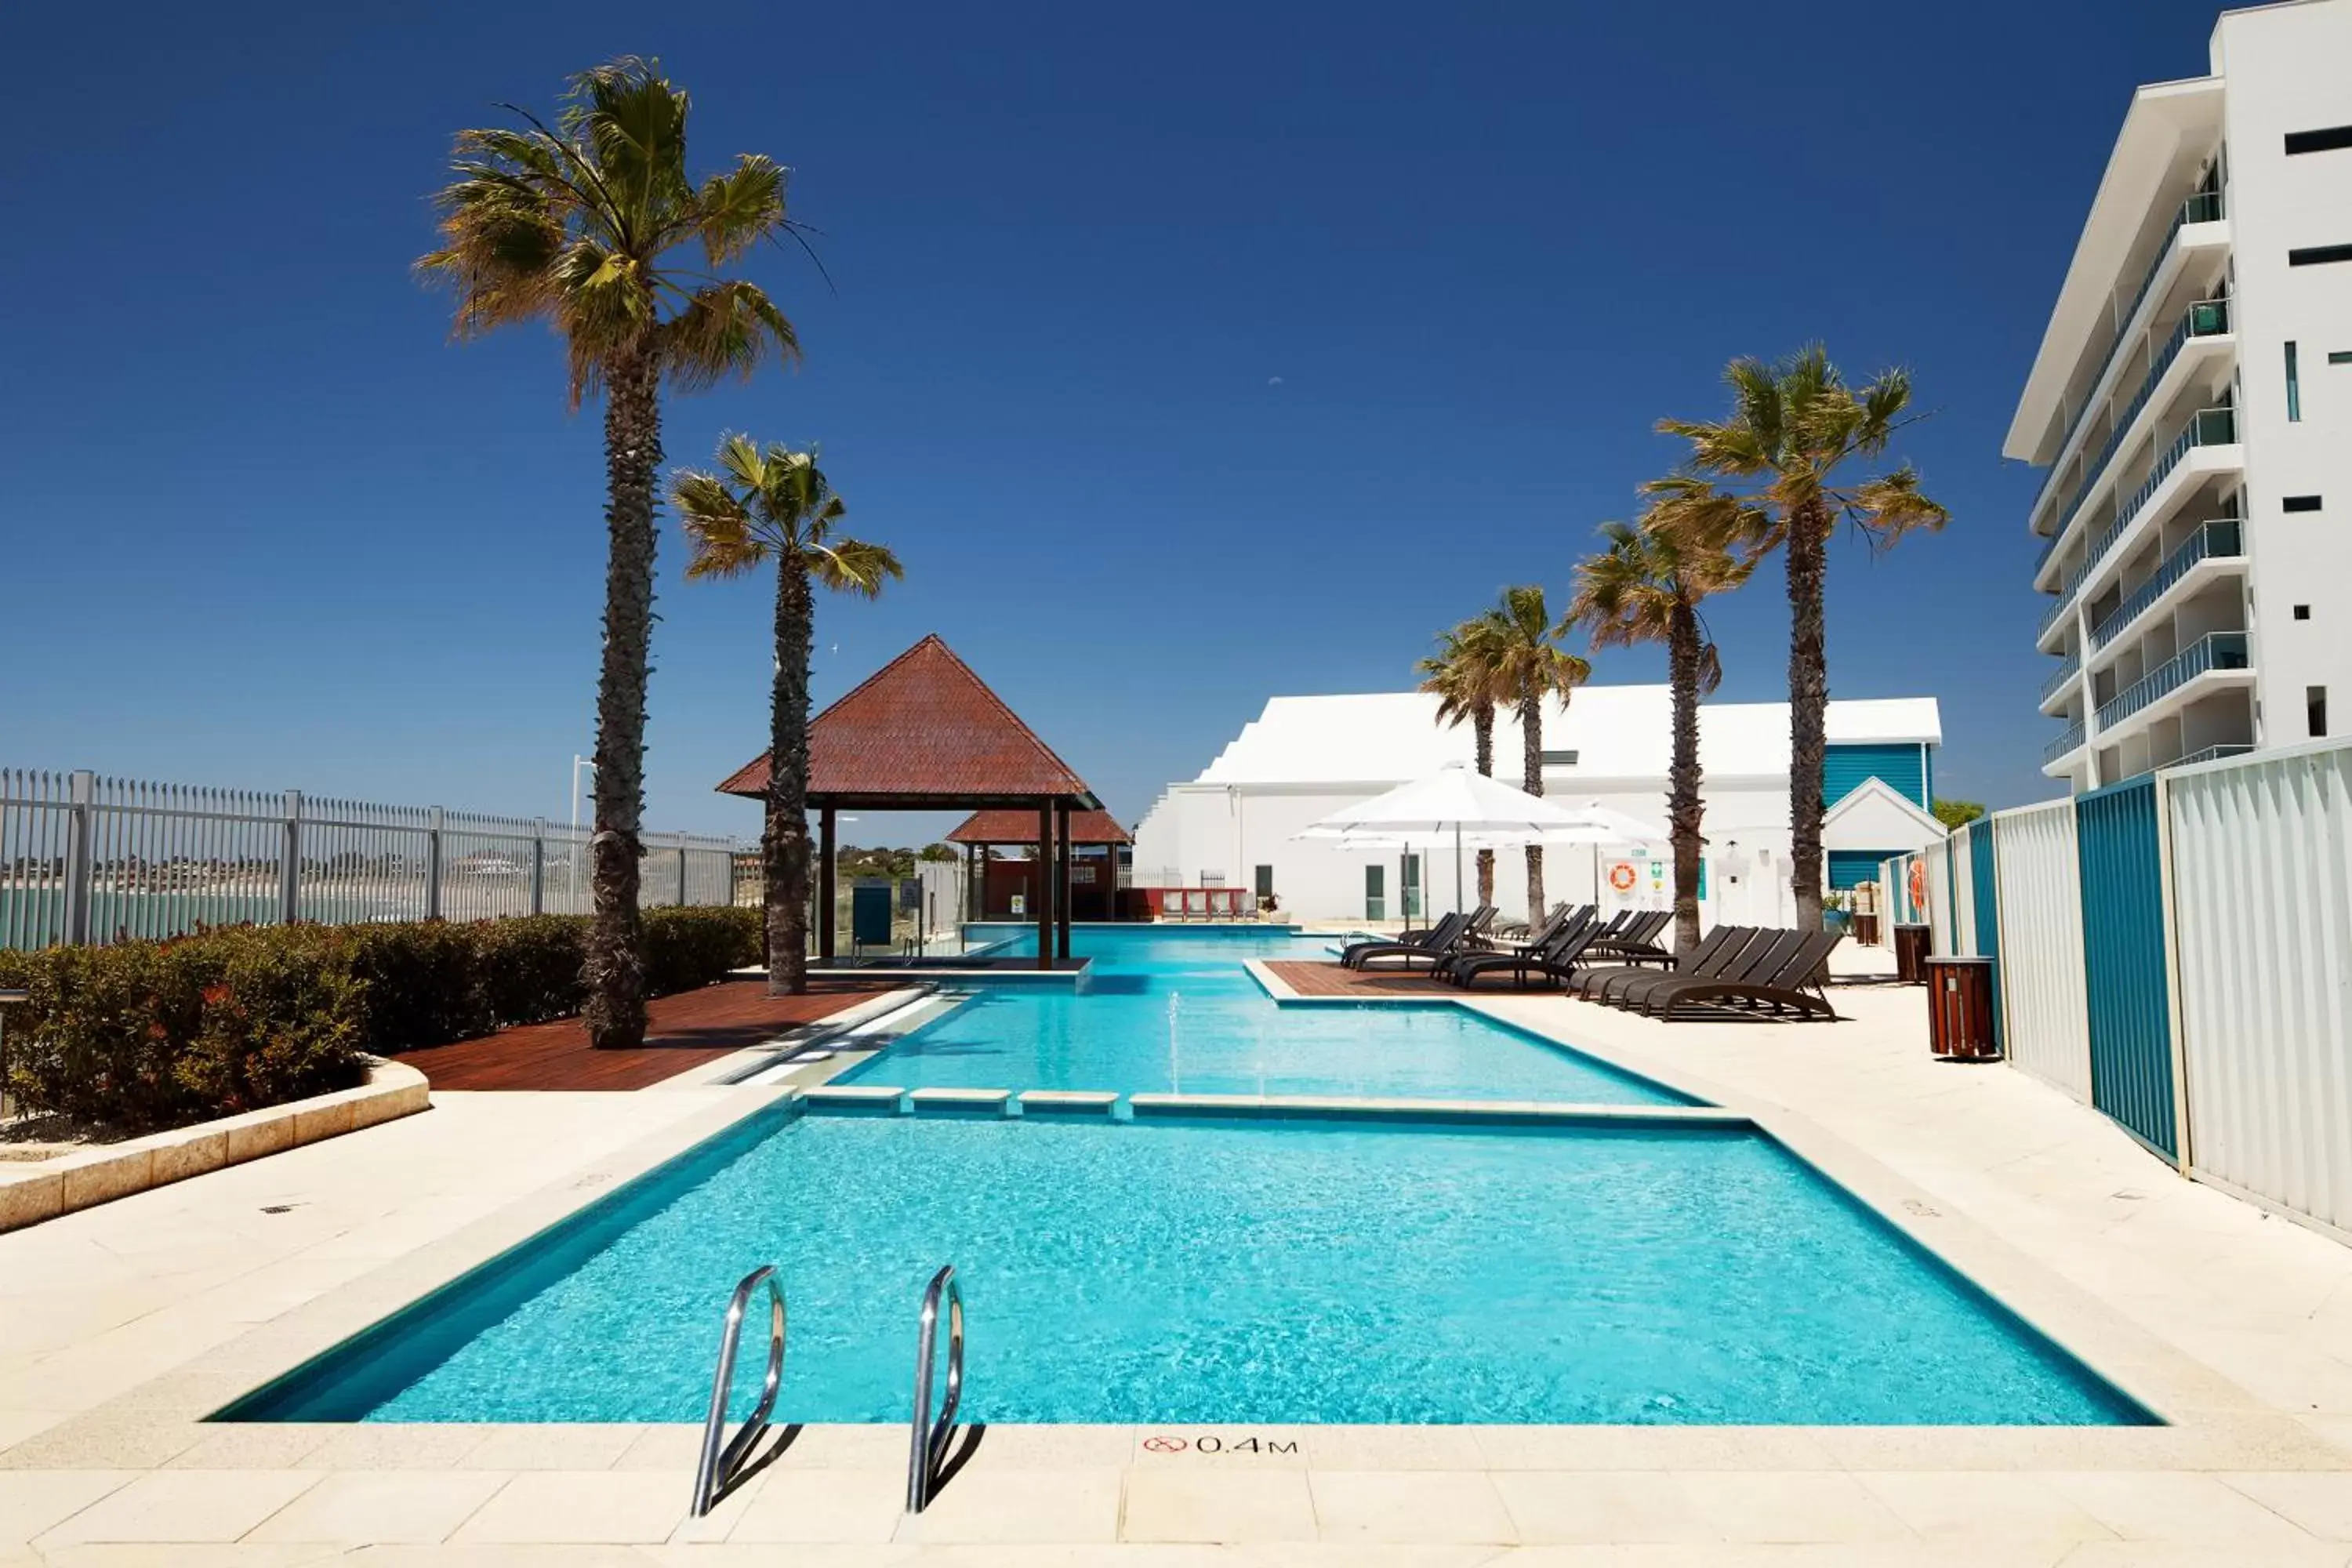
{"type": "Point", "coordinates": [2165, 135]}
{"type": "Point", "coordinates": [1616, 732]}
{"type": "Point", "coordinates": [1021, 827]}
{"type": "Point", "coordinates": [923, 731]}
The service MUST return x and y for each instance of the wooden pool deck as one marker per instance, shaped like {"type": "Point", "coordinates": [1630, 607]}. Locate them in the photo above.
{"type": "Point", "coordinates": [688, 1030]}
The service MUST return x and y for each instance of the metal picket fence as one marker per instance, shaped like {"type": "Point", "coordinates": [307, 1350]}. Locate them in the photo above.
{"type": "Point", "coordinates": [89, 859]}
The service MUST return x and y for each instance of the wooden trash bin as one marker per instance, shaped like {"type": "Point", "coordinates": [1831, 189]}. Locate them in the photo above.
{"type": "Point", "coordinates": [1910, 952]}
{"type": "Point", "coordinates": [1960, 1009]}
{"type": "Point", "coordinates": [1865, 929]}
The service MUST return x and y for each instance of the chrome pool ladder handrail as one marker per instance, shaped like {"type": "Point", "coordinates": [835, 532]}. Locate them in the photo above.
{"type": "Point", "coordinates": [929, 1439]}
{"type": "Point", "coordinates": [721, 1464]}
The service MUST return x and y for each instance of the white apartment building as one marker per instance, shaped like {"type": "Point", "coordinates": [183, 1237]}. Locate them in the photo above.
{"type": "Point", "coordinates": [1236, 823]}
{"type": "Point", "coordinates": [2192, 400]}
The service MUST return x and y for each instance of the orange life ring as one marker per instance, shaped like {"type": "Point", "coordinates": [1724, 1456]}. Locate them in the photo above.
{"type": "Point", "coordinates": [1918, 884]}
{"type": "Point", "coordinates": [1622, 876]}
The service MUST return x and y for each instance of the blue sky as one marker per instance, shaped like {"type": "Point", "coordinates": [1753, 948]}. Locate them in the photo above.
{"type": "Point", "coordinates": [1187, 355]}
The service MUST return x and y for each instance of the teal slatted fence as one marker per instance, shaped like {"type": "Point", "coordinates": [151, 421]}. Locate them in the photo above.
{"type": "Point", "coordinates": [2123, 960]}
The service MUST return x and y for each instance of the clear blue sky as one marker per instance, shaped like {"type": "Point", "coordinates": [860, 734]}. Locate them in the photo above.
{"type": "Point", "coordinates": [1186, 354]}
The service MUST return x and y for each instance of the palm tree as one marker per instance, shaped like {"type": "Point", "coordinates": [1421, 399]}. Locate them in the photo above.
{"type": "Point", "coordinates": [773, 504]}
{"type": "Point", "coordinates": [1464, 675]}
{"type": "Point", "coordinates": [1646, 587]}
{"type": "Point", "coordinates": [1792, 426]}
{"type": "Point", "coordinates": [576, 225]}
{"type": "Point", "coordinates": [1530, 666]}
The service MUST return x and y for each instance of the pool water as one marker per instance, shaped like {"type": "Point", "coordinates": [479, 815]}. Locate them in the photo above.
{"type": "Point", "coordinates": [1174, 1012]}
{"type": "Point", "coordinates": [1305, 1272]}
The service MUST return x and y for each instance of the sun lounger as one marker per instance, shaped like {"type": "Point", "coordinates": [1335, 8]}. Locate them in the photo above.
{"type": "Point", "coordinates": [1793, 988]}
{"type": "Point", "coordinates": [1765, 951]}
{"type": "Point", "coordinates": [1715, 950]}
{"type": "Point", "coordinates": [1526, 931]}
{"type": "Point", "coordinates": [1555, 961]}
{"type": "Point", "coordinates": [1638, 937]}
{"type": "Point", "coordinates": [1464, 939]}
{"type": "Point", "coordinates": [1444, 932]}
{"type": "Point", "coordinates": [1552, 929]}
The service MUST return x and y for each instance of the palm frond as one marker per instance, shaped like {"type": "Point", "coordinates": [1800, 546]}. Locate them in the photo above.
{"type": "Point", "coordinates": [854, 566]}
{"type": "Point", "coordinates": [736, 210]}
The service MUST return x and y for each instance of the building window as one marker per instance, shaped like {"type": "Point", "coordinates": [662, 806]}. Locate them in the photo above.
{"type": "Point", "coordinates": [1266, 881]}
{"type": "Point", "coordinates": [2330, 140]}
{"type": "Point", "coordinates": [2293, 387]}
{"type": "Point", "coordinates": [2302, 612]}
{"type": "Point", "coordinates": [2314, 705]}
{"type": "Point", "coordinates": [2319, 255]}
{"type": "Point", "coordinates": [2299, 503]}
{"type": "Point", "coordinates": [1376, 904]}
{"type": "Point", "coordinates": [2339, 357]}
{"type": "Point", "coordinates": [1560, 759]}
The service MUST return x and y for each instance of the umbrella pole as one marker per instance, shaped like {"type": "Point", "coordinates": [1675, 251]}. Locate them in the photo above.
{"type": "Point", "coordinates": [1458, 868]}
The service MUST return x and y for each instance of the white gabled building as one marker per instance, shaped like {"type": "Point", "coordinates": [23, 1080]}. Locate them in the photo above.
{"type": "Point", "coordinates": [1305, 757]}
{"type": "Point", "coordinates": [2192, 402]}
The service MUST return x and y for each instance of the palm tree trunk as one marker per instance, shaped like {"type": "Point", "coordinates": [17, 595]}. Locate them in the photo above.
{"type": "Point", "coordinates": [615, 969]}
{"type": "Point", "coordinates": [1809, 701]}
{"type": "Point", "coordinates": [1482, 726]}
{"type": "Point", "coordinates": [784, 841]}
{"type": "Point", "coordinates": [1683, 804]}
{"type": "Point", "coordinates": [1531, 747]}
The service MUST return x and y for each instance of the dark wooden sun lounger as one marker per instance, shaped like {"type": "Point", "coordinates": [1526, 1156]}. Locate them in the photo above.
{"type": "Point", "coordinates": [1526, 931]}
{"type": "Point", "coordinates": [1793, 988]}
{"type": "Point", "coordinates": [1560, 922]}
{"type": "Point", "coordinates": [1764, 952]}
{"type": "Point", "coordinates": [1555, 961]}
{"type": "Point", "coordinates": [1715, 949]}
{"type": "Point", "coordinates": [1465, 937]}
{"type": "Point", "coordinates": [1440, 935]}
{"type": "Point", "coordinates": [1638, 937]}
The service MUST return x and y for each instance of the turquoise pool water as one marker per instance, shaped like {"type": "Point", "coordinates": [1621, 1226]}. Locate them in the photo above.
{"type": "Point", "coordinates": [1281, 1272]}
{"type": "Point", "coordinates": [1174, 1012]}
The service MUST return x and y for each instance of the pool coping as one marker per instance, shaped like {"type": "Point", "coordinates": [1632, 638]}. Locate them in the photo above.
{"type": "Point", "coordinates": [2212, 1423]}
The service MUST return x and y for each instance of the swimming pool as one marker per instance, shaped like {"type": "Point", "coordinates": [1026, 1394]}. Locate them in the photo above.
{"type": "Point", "coordinates": [1174, 1012]}
{"type": "Point", "coordinates": [1305, 1272]}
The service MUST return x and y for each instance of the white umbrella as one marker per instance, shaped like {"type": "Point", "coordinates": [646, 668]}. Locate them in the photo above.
{"type": "Point", "coordinates": [1453, 801]}
{"type": "Point", "coordinates": [1600, 825]}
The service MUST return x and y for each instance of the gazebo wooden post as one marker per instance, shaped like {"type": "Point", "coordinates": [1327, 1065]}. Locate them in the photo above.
{"type": "Point", "coordinates": [1062, 878]}
{"type": "Point", "coordinates": [1045, 882]}
{"type": "Point", "coordinates": [824, 937]}
{"type": "Point", "coordinates": [971, 881]}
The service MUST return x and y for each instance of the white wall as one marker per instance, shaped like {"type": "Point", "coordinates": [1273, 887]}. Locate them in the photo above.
{"type": "Point", "coordinates": [2262, 898]}
{"type": "Point", "coordinates": [2286, 70]}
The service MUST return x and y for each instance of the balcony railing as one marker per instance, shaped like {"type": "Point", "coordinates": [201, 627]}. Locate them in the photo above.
{"type": "Point", "coordinates": [2219, 538]}
{"type": "Point", "coordinates": [2205, 318]}
{"type": "Point", "coordinates": [2203, 207]}
{"type": "Point", "coordinates": [2213, 754]}
{"type": "Point", "coordinates": [2067, 669]}
{"type": "Point", "coordinates": [2214, 651]}
{"type": "Point", "coordinates": [2068, 739]}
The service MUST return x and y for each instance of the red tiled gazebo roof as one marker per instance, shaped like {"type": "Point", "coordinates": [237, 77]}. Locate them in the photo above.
{"type": "Point", "coordinates": [1021, 827]}
{"type": "Point", "coordinates": [924, 732]}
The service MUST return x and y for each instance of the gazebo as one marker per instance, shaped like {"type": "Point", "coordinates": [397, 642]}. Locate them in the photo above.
{"type": "Point", "coordinates": [925, 733]}
{"type": "Point", "coordinates": [984, 831]}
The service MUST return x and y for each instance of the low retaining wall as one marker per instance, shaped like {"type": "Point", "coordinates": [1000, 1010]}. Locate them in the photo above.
{"type": "Point", "coordinates": [35, 1192]}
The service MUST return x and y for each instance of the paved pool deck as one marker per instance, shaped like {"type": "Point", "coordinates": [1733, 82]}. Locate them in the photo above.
{"type": "Point", "coordinates": [119, 1325]}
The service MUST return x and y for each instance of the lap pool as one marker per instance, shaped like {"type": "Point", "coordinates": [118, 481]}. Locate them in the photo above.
{"type": "Point", "coordinates": [1310, 1272]}
{"type": "Point", "coordinates": [1174, 1012]}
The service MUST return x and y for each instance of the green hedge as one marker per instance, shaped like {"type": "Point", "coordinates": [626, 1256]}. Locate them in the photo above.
{"type": "Point", "coordinates": [149, 1035]}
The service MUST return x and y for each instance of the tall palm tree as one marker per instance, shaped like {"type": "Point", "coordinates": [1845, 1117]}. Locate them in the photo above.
{"type": "Point", "coordinates": [1531, 666]}
{"type": "Point", "coordinates": [1464, 675]}
{"type": "Point", "coordinates": [577, 226]}
{"type": "Point", "coordinates": [1793, 425]}
{"type": "Point", "coordinates": [1647, 587]}
{"type": "Point", "coordinates": [773, 504]}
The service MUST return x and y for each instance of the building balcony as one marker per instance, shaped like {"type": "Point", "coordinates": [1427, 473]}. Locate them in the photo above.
{"type": "Point", "coordinates": [2206, 326]}
{"type": "Point", "coordinates": [2212, 754]}
{"type": "Point", "coordinates": [2205, 207]}
{"type": "Point", "coordinates": [2217, 658]}
{"type": "Point", "coordinates": [2207, 445]}
{"type": "Point", "coordinates": [2069, 741]}
{"type": "Point", "coordinates": [2062, 680]}
{"type": "Point", "coordinates": [2220, 542]}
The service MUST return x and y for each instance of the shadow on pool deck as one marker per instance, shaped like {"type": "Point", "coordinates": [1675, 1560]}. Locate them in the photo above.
{"type": "Point", "coordinates": [686, 1031]}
